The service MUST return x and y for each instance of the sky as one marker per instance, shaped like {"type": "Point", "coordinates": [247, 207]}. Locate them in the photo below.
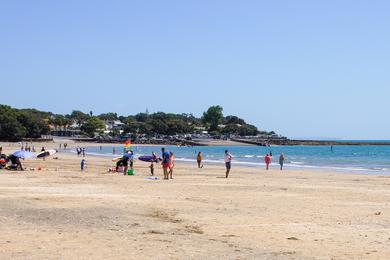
{"type": "Point", "coordinates": [301, 68]}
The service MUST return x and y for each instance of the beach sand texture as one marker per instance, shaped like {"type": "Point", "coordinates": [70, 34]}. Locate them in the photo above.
{"type": "Point", "coordinates": [61, 213]}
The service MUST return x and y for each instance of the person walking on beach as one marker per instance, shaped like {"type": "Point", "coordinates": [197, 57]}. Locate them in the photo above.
{"type": "Point", "coordinates": [281, 161]}
{"type": "Point", "coordinates": [228, 162]}
{"type": "Point", "coordinates": [165, 163]}
{"type": "Point", "coordinates": [267, 160]}
{"type": "Point", "coordinates": [42, 150]}
{"type": "Point", "coordinates": [171, 164]}
{"type": "Point", "coordinates": [199, 160]}
{"type": "Point", "coordinates": [82, 165]}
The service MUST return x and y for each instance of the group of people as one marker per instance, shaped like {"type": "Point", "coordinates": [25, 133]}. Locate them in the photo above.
{"type": "Point", "coordinates": [167, 162]}
{"type": "Point", "coordinates": [15, 161]}
{"type": "Point", "coordinates": [80, 151]}
{"type": "Point", "coordinates": [65, 146]}
{"type": "Point", "coordinates": [27, 147]}
{"type": "Point", "coordinates": [126, 161]}
{"type": "Point", "coordinates": [267, 159]}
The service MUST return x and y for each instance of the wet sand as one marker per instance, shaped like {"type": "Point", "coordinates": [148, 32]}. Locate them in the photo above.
{"type": "Point", "coordinates": [61, 213]}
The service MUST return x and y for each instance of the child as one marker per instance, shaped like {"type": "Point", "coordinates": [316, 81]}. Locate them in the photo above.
{"type": "Point", "coordinates": [152, 168]}
{"type": "Point", "coordinates": [82, 165]}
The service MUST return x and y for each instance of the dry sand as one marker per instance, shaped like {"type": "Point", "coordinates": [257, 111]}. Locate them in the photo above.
{"type": "Point", "coordinates": [61, 213]}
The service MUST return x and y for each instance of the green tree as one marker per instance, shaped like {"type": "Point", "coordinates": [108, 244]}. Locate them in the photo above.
{"type": "Point", "coordinates": [141, 117]}
{"type": "Point", "coordinates": [108, 116]}
{"type": "Point", "coordinates": [10, 128]}
{"type": "Point", "coordinates": [213, 117]}
{"type": "Point", "coordinates": [234, 120]}
{"type": "Point", "coordinates": [33, 123]}
{"type": "Point", "coordinates": [92, 125]}
{"type": "Point", "coordinates": [79, 117]}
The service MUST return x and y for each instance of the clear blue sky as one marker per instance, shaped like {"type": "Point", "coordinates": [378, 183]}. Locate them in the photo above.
{"type": "Point", "coordinates": [301, 68]}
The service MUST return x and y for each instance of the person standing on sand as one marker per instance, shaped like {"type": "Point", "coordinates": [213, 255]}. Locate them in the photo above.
{"type": "Point", "coordinates": [42, 150]}
{"type": "Point", "coordinates": [154, 157]}
{"type": "Point", "coordinates": [228, 162]}
{"type": "Point", "coordinates": [281, 161]}
{"type": "Point", "coordinates": [152, 168]}
{"type": "Point", "coordinates": [199, 160]}
{"type": "Point", "coordinates": [267, 160]}
{"type": "Point", "coordinates": [131, 159]}
{"type": "Point", "coordinates": [171, 164]}
{"type": "Point", "coordinates": [82, 165]}
{"type": "Point", "coordinates": [165, 163]}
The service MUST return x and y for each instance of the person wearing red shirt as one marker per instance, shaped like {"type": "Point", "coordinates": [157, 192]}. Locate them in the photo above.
{"type": "Point", "coordinates": [267, 160]}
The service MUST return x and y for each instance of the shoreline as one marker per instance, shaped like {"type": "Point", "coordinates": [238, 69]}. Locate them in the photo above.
{"type": "Point", "coordinates": [253, 165]}
{"type": "Point", "coordinates": [261, 165]}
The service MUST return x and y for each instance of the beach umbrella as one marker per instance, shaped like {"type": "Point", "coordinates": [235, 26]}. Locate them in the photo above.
{"type": "Point", "coordinates": [23, 154]}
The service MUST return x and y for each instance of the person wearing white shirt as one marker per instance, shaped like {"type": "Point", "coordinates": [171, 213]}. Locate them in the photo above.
{"type": "Point", "coordinates": [228, 162]}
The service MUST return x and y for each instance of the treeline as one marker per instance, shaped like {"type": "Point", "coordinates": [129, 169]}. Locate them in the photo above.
{"type": "Point", "coordinates": [16, 124]}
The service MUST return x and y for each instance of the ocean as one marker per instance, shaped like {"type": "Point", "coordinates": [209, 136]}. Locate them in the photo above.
{"type": "Point", "coordinates": [362, 159]}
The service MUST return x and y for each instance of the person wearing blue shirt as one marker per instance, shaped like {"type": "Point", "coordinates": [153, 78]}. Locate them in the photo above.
{"type": "Point", "coordinates": [125, 161]}
{"type": "Point", "coordinates": [165, 163]}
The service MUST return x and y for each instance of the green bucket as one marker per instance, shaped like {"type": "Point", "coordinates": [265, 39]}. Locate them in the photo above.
{"type": "Point", "coordinates": [130, 172]}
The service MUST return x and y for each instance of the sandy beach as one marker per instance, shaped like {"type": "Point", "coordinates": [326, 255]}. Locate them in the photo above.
{"type": "Point", "coordinates": [61, 213]}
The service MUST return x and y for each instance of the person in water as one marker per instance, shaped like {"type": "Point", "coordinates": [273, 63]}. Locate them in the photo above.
{"type": "Point", "coordinates": [171, 164]}
{"type": "Point", "coordinates": [165, 163]}
{"type": "Point", "coordinates": [228, 162]}
{"type": "Point", "coordinates": [281, 161]}
{"type": "Point", "coordinates": [199, 159]}
{"type": "Point", "coordinates": [267, 160]}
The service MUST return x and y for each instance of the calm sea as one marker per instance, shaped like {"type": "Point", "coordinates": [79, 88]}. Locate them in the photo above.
{"type": "Point", "coordinates": [364, 159]}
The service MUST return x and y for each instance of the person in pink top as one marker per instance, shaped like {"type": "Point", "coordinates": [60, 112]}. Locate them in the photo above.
{"type": "Point", "coordinates": [267, 160]}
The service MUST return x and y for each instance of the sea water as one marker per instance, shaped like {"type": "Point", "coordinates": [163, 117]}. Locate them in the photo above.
{"type": "Point", "coordinates": [363, 158]}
